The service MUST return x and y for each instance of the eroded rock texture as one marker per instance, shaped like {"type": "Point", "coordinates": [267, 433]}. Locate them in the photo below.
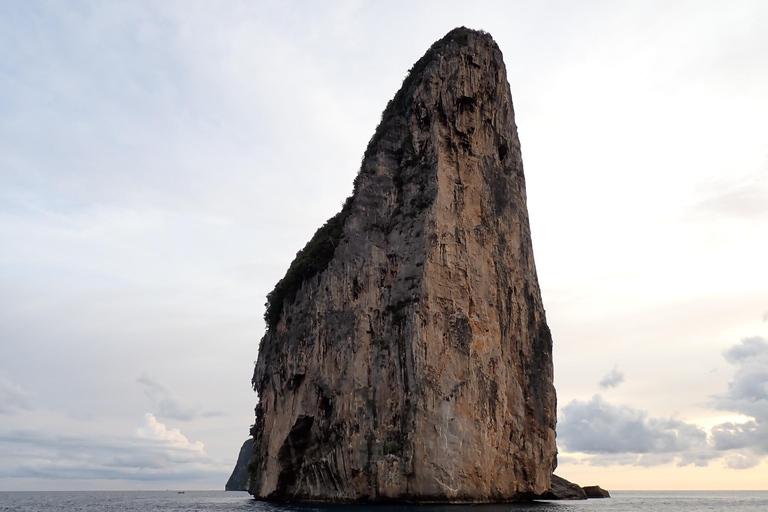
{"type": "Point", "coordinates": [407, 355]}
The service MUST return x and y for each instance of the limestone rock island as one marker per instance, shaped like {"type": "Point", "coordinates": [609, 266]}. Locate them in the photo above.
{"type": "Point", "coordinates": [407, 356]}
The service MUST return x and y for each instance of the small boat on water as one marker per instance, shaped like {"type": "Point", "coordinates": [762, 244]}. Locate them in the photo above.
{"type": "Point", "coordinates": [182, 492]}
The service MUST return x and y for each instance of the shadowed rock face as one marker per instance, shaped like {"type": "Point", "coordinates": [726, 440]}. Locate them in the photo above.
{"type": "Point", "coordinates": [562, 489]}
{"type": "Point", "coordinates": [238, 480]}
{"type": "Point", "coordinates": [407, 356]}
{"type": "Point", "coordinates": [595, 491]}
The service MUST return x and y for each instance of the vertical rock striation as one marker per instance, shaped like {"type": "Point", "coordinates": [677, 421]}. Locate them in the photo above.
{"type": "Point", "coordinates": [407, 355]}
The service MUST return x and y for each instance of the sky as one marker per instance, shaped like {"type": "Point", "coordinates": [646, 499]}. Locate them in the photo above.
{"type": "Point", "coordinates": [162, 162]}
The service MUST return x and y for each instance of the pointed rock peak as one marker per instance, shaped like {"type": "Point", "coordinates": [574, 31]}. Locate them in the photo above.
{"type": "Point", "coordinates": [407, 355]}
{"type": "Point", "coordinates": [464, 48]}
{"type": "Point", "coordinates": [460, 40]}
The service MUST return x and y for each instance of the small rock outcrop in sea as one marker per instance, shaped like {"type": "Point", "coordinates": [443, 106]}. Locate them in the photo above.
{"type": "Point", "coordinates": [238, 481]}
{"type": "Point", "coordinates": [407, 356]}
{"type": "Point", "coordinates": [595, 491]}
{"type": "Point", "coordinates": [562, 489]}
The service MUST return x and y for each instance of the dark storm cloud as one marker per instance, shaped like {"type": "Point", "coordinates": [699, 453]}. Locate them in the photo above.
{"type": "Point", "coordinates": [612, 379]}
{"type": "Point", "coordinates": [12, 397]}
{"type": "Point", "coordinates": [624, 435]}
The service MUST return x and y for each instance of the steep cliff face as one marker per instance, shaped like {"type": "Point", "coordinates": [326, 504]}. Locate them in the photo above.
{"type": "Point", "coordinates": [407, 355]}
{"type": "Point", "coordinates": [238, 480]}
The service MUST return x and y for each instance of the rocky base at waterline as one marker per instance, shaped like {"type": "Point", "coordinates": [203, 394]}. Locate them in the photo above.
{"type": "Point", "coordinates": [562, 489]}
{"type": "Point", "coordinates": [595, 491]}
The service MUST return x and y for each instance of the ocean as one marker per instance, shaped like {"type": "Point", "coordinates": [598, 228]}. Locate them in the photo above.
{"type": "Point", "coordinates": [157, 501]}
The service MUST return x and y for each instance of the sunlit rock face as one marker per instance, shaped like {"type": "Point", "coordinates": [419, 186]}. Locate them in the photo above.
{"type": "Point", "coordinates": [407, 356]}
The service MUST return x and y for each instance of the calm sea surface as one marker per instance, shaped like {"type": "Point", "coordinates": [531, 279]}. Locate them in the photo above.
{"type": "Point", "coordinates": [156, 501]}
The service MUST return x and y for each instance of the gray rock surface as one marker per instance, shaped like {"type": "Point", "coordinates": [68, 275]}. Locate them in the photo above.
{"type": "Point", "coordinates": [407, 356]}
{"type": "Point", "coordinates": [238, 481]}
{"type": "Point", "coordinates": [562, 489]}
{"type": "Point", "coordinates": [595, 491]}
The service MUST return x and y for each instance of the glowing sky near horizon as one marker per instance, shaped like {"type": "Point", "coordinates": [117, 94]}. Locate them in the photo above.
{"type": "Point", "coordinates": [162, 162]}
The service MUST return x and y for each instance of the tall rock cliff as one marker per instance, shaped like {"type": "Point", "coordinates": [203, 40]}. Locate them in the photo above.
{"type": "Point", "coordinates": [407, 355]}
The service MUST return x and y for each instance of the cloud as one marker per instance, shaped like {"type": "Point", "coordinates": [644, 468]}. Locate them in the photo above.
{"type": "Point", "coordinates": [742, 461]}
{"type": "Point", "coordinates": [748, 395]}
{"type": "Point", "coordinates": [745, 200]}
{"type": "Point", "coordinates": [612, 379]}
{"type": "Point", "coordinates": [738, 436]}
{"type": "Point", "coordinates": [166, 403]}
{"type": "Point", "coordinates": [628, 459]}
{"type": "Point", "coordinates": [171, 406]}
{"type": "Point", "coordinates": [624, 435]}
{"type": "Point", "coordinates": [154, 452]}
{"type": "Point", "coordinates": [12, 397]}
{"type": "Point", "coordinates": [754, 347]}
{"type": "Point", "coordinates": [748, 391]}
{"type": "Point", "coordinates": [153, 429]}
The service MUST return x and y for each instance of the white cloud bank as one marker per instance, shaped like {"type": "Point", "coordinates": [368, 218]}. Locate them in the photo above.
{"type": "Point", "coordinates": [611, 434]}
{"type": "Point", "coordinates": [154, 430]}
{"type": "Point", "coordinates": [153, 453]}
{"type": "Point", "coordinates": [748, 395]}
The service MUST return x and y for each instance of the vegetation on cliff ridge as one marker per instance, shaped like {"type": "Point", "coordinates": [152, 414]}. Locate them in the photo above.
{"type": "Point", "coordinates": [318, 252]}
{"type": "Point", "coordinates": [310, 261]}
